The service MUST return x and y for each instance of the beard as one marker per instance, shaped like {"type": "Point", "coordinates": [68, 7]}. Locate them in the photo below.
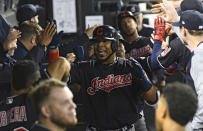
{"type": "Point", "coordinates": [60, 122]}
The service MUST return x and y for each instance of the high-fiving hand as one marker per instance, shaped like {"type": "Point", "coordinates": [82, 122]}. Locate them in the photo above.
{"type": "Point", "coordinates": [159, 28]}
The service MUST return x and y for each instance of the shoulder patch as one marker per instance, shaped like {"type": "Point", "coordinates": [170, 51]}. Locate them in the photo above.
{"type": "Point", "coordinates": [166, 51]}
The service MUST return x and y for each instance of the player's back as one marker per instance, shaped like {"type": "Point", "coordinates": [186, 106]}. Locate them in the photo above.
{"type": "Point", "coordinates": [16, 112]}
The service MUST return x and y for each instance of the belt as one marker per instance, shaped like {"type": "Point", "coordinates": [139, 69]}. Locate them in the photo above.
{"type": "Point", "coordinates": [125, 128]}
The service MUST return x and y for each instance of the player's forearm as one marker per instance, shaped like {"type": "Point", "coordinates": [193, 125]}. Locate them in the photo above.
{"type": "Point", "coordinates": [155, 52]}
{"type": "Point", "coordinates": [151, 95]}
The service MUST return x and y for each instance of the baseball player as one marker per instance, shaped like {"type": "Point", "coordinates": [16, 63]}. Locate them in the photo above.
{"type": "Point", "coordinates": [16, 111]}
{"type": "Point", "coordinates": [27, 12]}
{"type": "Point", "coordinates": [168, 116]}
{"type": "Point", "coordinates": [121, 49]}
{"type": "Point", "coordinates": [173, 58]}
{"type": "Point", "coordinates": [176, 52]}
{"type": "Point", "coordinates": [191, 32]}
{"type": "Point", "coordinates": [143, 30]}
{"type": "Point", "coordinates": [8, 37]}
{"type": "Point", "coordinates": [54, 105]}
{"type": "Point", "coordinates": [138, 47]}
{"type": "Point", "coordinates": [113, 88]}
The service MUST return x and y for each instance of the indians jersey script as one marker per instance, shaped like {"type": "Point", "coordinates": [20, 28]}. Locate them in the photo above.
{"type": "Point", "coordinates": [111, 93]}
{"type": "Point", "coordinates": [16, 114]}
{"type": "Point", "coordinates": [142, 47]}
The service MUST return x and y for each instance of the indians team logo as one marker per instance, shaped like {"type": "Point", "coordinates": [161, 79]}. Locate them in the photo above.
{"type": "Point", "coordinates": [141, 52]}
{"type": "Point", "coordinates": [99, 31]}
{"type": "Point", "coordinates": [109, 83]}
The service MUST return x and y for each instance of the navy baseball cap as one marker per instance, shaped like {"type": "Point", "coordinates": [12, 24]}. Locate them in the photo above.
{"type": "Point", "coordinates": [190, 19]}
{"type": "Point", "coordinates": [135, 9]}
{"type": "Point", "coordinates": [191, 5]}
{"type": "Point", "coordinates": [26, 12]}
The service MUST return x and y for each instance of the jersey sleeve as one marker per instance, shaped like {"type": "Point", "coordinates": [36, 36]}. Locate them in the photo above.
{"type": "Point", "coordinates": [169, 55]}
{"type": "Point", "coordinates": [140, 76]}
{"type": "Point", "coordinates": [155, 52]}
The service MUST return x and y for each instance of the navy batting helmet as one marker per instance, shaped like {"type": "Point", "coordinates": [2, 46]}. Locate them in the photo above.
{"type": "Point", "coordinates": [122, 15]}
{"type": "Point", "coordinates": [106, 32]}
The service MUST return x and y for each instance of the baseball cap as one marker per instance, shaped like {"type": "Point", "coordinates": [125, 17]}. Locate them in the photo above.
{"type": "Point", "coordinates": [135, 9]}
{"type": "Point", "coordinates": [26, 12]}
{"type": "Point", "coordinates": [191, 5]}
{"type": "Point", "coordinates": [190, 19]}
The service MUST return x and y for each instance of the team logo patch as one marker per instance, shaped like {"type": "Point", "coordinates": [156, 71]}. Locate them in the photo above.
{"type": "Point", "coordinates": [20, 129]}
{"type": "Point", "coordinates": [109, 83]}
{"type": "Point", "coordinates": [99, 31]}
{"type": "Point", "coordinates": [166, 51]}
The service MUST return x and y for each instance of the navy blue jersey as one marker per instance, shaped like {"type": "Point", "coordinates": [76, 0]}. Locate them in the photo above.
{"type": "Point", "coordinates": [178, 53]}
{"type": "Point", "coordinates": [6, 65]}
{"type": "Point", "coordinates": [16, 113]}
{"type": "Point", "coordinates": [37, 53]}
{"type": "Point", "coordinates": [146, 31]}
{"type": "Point", "coordinates": [142, 47]}
{"type": "Point", "coordinates": [140, 50]}
{"type": "Point", "coordinates": [111, 93]}
{"type": "Point", "coordinates": [38, 127]}
{"type": "Point", "coordinates": [20, 52]}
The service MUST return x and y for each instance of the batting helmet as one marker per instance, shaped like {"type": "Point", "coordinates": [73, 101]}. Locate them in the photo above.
{"type": "Point", "coordinates": [122, 15]}
{"type": "Point", "coordinates": [106, 32]}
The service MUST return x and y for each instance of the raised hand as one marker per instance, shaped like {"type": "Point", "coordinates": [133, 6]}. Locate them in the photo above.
{"type": "Point", "coordinates": [167, 9]}
{"type": "Point", "coordinates": [12, 36]}
{"type": "Point", "coordinates": [159, 28]}
{"type": "Point", "coordinates": [45, 36]}
{"type": "Point", "coordinates": [89, 30]}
